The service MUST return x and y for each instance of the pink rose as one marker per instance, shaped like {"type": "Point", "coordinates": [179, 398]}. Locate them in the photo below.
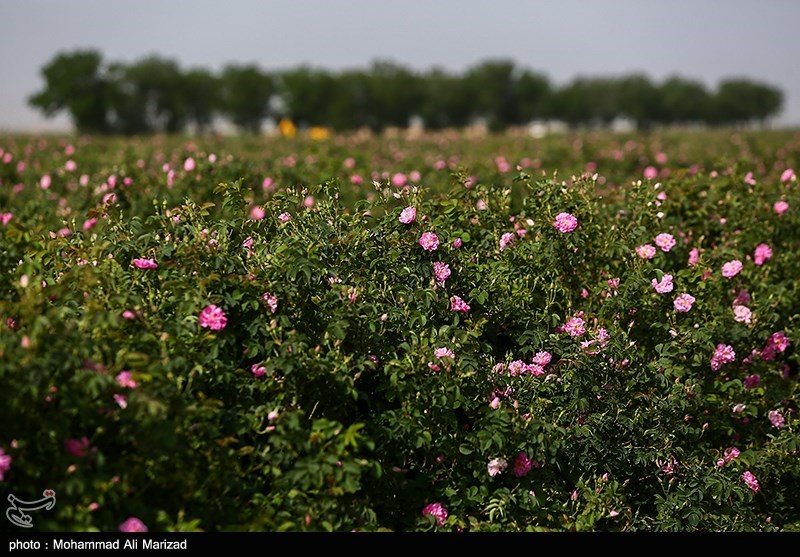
{"type": "Point", "coordinates": [683, 303]}
{"type": "Point", "coordinates": [646, 251]}
{"type": "Point", "coordinates": [408, 215]}
{"type": "Point", "coordinates": [441, 271]}
{"type": "Point", "coordinates": [213, 318]}
{"type": "Point", "coordinates": [522, 465]}
{"type": "Point", "coordinates": [257, 213]}
{"type": "Point", "coordinates": [731, 268]}
{"type": "Point", "coordinates": [133, 524]}
{"type": "Point", "coordinates": [457, 304]}
{"type": "Point", "coordinates": [437, 511]}
{"type": "Point", "coordinates": [125, 380]}
{"type": "Point", "coordinates": [565, 223]}
{"type": "Point", "coordinates": [664, 286]}
{"type": "Point", "coordinates": [761, 254]}
{"type": "Point", "coordinates": [429, 241]}
{"type": "Point", "coordinates": [751, 481]}
{"type": "Point", "coordinates": [145, 263]}
{"type": "Point", "coordinates": [5, 463]}
{"type": "Point", "coordinates": [694, 257]}
{"type": "Point", "coordinates": [575, 327]}
{"type": "Point", "coordinates": [665, 241]}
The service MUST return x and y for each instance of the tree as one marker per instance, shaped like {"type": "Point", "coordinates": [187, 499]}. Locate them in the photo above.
{"type": "Point", "coordinates": [573, 103]}
{"type": "Point", "coordinates": [394, 94]}
{"type": "Point", "coordinates": [492, 90]}
{"type": "Point", "coordinates": [534, 96]}
{"type": "Point", "coordinates": [638, 100]}
{"type": "Point", "coordinates": [739, 101]}
{"type": "Point", "coordinates": [75, 82]}
{"type": "Point", "coordinates": [768, 102]}
{"type": "Point", "coordinates": [126, 107]}
{"type": "Point", "coordinates": [201, 97]}
{"type": "Point", "coordinates": [148, 97]}
{"type": "Point", "coordinates": [246, 93]}
{"type": "Point", "coordinates": [310, 95]}
{"type": "Point", "coordinates": [348, 105]}
{"type": "Point", "coordinates": [155, 95]}
{"type": "Point", "coordinates": [683, 101]}
{"type": "Point", "coordinates": [445, 102]}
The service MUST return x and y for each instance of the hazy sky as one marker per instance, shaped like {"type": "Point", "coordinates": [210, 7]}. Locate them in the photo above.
{"type": "Point", "coordinates": [701, 39]}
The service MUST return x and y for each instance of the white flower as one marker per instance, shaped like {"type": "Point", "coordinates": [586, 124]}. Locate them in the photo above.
{"type": "Point", "coordinates": [497, 465]}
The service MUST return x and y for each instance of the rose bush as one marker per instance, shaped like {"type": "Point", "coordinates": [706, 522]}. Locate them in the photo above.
{"type": "Point", "coordinates": [182, 365]}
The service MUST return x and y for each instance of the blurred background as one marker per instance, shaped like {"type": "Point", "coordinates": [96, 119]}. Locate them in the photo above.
{"type": "Point", "coordinates": [138, 67]}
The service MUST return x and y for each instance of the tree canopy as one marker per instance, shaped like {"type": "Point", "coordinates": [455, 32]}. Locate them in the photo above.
{"type": "Point", "coordinates": [155, 95]}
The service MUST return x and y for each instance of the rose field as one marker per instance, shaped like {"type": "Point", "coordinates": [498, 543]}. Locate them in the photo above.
{"type": "Point", "coordinates": [407, 332]}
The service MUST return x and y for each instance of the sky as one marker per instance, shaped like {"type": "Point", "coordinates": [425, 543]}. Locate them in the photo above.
{"type": "Point", "coordinates": [707, 40]}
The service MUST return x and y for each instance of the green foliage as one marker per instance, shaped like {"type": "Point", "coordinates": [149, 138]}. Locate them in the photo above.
{"type": "Point", "coordinates": [328, 407]}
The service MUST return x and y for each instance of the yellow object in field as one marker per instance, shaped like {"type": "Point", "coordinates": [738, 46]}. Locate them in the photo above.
{"type": "Point", "coordinates": [318, 133]}
{"type": "Point", "coordinates": [287, 127]}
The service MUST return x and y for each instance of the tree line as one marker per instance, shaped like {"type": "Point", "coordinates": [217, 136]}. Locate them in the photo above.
{"type": "Point", "coordinates": [156, 95]}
